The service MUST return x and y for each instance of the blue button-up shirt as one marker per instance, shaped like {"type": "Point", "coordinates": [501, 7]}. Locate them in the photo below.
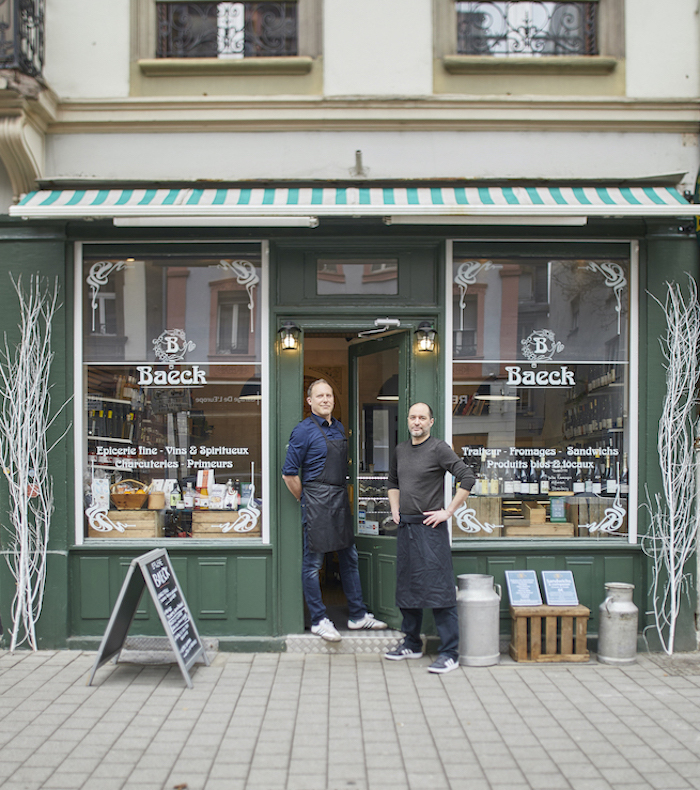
{"type": "Point", "coordinates": [307, 449]}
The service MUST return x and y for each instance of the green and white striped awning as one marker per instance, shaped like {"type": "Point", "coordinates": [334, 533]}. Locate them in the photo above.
{"type": "Point", "coordinates": [401, 204]}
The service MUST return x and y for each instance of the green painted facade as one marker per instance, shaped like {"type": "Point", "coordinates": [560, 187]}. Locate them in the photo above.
{"type": "Point", "coordinates": [249, 595]}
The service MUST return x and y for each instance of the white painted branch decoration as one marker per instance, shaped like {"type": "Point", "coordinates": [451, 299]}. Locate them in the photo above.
{"type": "Point", "coordinates": [674, 517]}
{"type": "Point", "coordinates": [25, 418]}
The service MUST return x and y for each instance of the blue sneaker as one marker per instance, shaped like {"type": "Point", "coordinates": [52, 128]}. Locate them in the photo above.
{"type": "Point", "coordinates": [443, 664]}
{"type": "Point", "coordinates": [400, 652]}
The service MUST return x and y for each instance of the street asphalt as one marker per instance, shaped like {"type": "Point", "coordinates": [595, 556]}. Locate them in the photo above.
{"type": "Point", "coordinates": [347, 721]}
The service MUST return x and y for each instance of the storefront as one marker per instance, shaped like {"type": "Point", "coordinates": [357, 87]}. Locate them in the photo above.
{"type": "Point", "coordinates": [198, 317]}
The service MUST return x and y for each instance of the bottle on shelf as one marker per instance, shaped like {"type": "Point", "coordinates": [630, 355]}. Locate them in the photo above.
{"type": "Point", "coordinates": [188, 496]}
{"type": "Point", "coordinates": [494, 485]}
{"type": "Point", "coordinates": [175, 495]}
{"type": "Point", "coordinates": [237, 489]}
{"type": "Point", "coordinates": [543, 479]}
{"type": "Point", "coordinates": [230, 497]}
{"type": "Point", "coordinates": [610, 477]}
{"type": "Point", "coordinates": [596, 478]}
{"type": "Point", "coordinates": [509, 483]}
{"type": "Point", "coordinates": [624, 478]}
{"type": "Point", "coordinates": [533, 480]}
{"type": "Point", "coordinates": [579, 486]}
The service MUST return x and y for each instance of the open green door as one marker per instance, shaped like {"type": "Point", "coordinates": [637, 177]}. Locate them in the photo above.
{"type": "Point", "coordinates": [379, 393]}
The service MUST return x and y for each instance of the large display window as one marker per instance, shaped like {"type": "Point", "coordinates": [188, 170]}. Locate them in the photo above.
{"type": "Point", "coordinates": [172, 376]}
{"type": "Point", "coordinates": [541, 393]}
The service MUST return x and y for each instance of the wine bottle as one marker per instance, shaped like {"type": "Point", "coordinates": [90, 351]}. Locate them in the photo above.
{"type": "Point", "coordinates": [596, 479]}
{"type": "Point", "coordinates": [543, 479]}
{"type": "Point", "coordinates": [579, 482]}
{"type": "Point", "coordinates": [610, 477]}
{"type": "Point", "coordinates": [624, 479]}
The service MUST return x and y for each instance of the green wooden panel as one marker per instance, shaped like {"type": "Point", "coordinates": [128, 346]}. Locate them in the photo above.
{"type": "Point", "coordinates": [95, 601]}
{"type": "Point", "coordinates": [364, 565]}
{"type": "Point", "coordinates": [465, 564]}
{"type": "Point", "coordinates": [179, 565]}
{"type": "Point", "coordinates": [541, 563]}
{"type": "Point", "coordinates": [251, 588]}
{"type": "Point", "coordinates": [584, 571]}
{"type": "Point", "coordinates": [386, 586]}
{"type": "Point", "coordinates": [213, 588]}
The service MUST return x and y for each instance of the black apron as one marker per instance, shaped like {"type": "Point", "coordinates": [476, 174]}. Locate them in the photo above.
{"type": "Point", "coordinates": [326, 505]}
{"type": "Point", "coordinates": [424, 575]}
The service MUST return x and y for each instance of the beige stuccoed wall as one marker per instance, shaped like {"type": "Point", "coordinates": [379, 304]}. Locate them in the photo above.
{"type": "Point", "coordinates": [377, 47]}
{"type": "Point", "coordinates": [662, 42]}
{"type": "Point", "coordinates": [87, 48]}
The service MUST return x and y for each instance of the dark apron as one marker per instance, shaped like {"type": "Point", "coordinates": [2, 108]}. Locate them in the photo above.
{"type": "Point", "coordinates": [424, 576]}
{"type": "Point", "coordinates": [326, 505]}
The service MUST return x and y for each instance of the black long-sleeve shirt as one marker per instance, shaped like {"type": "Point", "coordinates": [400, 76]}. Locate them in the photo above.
{"type": "Point", "coordinates": [418, 472]}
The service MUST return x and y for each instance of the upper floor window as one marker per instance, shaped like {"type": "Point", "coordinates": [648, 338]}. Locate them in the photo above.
{"type": "Point", "coordinates": [226, 30]}
{"type": "Point", "coordinates": [526, 28]}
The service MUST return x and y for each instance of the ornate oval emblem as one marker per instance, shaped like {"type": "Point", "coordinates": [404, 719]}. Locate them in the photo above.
{"type": "Point", "coordinates": [172, 345]}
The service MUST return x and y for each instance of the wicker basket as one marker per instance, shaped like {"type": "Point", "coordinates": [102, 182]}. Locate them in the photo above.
{"type": "Point", "coordinates": [129, 500]}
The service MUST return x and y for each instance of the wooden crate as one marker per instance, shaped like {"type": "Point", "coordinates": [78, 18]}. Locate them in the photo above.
{"type": "Point", "coordinates": [487, 511]}
{"type": "Point", "coordinates": [533, 512]}
{"type": "Point", "coordinates": [211, 524]}
{"type": "Point", "coordinates": [136, 523]}
{"type": "Point", "coordinates": [546, 634]}
{"type": "Point", "coordinates": [517, 528]}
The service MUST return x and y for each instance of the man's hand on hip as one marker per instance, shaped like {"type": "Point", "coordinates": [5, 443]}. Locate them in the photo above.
{"type": "Point", "coordinates": [435, 517]}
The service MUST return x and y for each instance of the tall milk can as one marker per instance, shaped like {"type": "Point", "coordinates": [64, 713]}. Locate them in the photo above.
{"type": "Point", "coordinates": [478, 604]}
{"type": "Point", "coordinates": [617, 633]}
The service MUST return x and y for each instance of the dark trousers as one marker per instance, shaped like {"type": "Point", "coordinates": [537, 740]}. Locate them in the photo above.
{"type": "Point", "coordinates": [447, 624]}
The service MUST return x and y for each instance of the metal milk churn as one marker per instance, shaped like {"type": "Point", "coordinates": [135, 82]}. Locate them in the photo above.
{"type": "Point", "coordinates": [478, 604]}
{"type": "Point", "coordinates": [617, 633]}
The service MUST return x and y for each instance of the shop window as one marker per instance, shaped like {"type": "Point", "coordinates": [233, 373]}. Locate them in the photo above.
{"type": "Point", "coordinates": [226, 29]}
{"type": "Point", "coordinates": [541, 415]}
{"type": "Point", "coordinates": [172, 438]}
{"type": "Point", "coordinates": [525, 28]}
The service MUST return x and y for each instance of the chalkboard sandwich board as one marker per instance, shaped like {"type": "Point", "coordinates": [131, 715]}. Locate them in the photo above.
{"type": "Point", "coordinates": [154, 572]}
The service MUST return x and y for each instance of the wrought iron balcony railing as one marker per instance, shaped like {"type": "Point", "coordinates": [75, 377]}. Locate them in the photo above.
{"type": "Point", "coordinates": [22, 36]}
{"type": "Point", "coordinates": [526, 28]}
{"type": "Point", "coordinates": [226, 30]}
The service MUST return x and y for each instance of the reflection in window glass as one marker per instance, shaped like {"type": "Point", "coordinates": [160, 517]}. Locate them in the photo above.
{"type": "Point", "coordinates": [367, 276]}
{"type": "Point", "coordinates": [173, 396]}
{"type": "Point", "coordinates": [541, 393]}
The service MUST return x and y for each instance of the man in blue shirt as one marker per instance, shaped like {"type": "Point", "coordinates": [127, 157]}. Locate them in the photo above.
{"type": "Point", "coordinates": [319, 448]}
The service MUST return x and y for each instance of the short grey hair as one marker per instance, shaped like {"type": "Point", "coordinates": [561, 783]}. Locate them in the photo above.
{"type": "Point", "coordinates": [313, 384]}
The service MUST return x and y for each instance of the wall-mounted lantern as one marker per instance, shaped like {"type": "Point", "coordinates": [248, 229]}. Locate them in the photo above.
{"type": "Point", "coordinates": [289, 336]}
{"type": "Point", "coordinates": [425, 336]}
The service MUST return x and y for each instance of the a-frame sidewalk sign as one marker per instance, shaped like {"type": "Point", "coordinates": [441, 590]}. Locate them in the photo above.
{"type": "Point", "coordinates": [153, 571]}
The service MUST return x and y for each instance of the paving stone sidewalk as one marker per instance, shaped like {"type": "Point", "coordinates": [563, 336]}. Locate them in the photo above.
{"type": "Point", "coordinates": [340, 722]}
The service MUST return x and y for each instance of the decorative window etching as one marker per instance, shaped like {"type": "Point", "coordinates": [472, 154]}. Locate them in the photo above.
{"type": "Point", "coordinates": [246, 276]}
{"type": "Point", "coordinates": [172, 346]}
{"type": "Point", "coordinates": [540, 346]}
{"type": "Point", "coordinates": [614, 518]}
{"type": "Point", "coordinates": [248, 515]}
{"type": "Point", "coordinates": [97, 277]}
{"type": "Point", "coordinates": [99, 520]}
{"type": "Point", "coordinates": [466, 276]}
{"type": "Point", "coordinates": [466, 520]}
{"type": "Point", "coordinates": [615, 279]}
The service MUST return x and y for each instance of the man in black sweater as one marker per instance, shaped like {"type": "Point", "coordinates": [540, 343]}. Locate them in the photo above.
{"type": "Point", "coordinates": [424, 576]}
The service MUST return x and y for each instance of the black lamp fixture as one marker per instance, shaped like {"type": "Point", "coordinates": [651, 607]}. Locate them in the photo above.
{"type": "Point", "coordinates": [289, 336]}
{"type": "Point", "coordinates": [425, 336]}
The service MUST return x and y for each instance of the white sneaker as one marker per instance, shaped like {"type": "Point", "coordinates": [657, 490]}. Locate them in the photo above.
{"type": "Point", "coordinates": [326, 630]}
{"type": "Point", "coordinates": [368, 621]}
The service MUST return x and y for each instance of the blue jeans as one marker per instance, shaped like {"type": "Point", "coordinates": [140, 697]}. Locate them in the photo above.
{"type": "Point", "coordinates": [349, 576]}
{"type": "Point", "coordinates": [447, 623]}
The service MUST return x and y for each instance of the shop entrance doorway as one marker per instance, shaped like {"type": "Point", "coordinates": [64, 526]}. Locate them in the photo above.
{"type": "Point", "coordinates": [370, 380]}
